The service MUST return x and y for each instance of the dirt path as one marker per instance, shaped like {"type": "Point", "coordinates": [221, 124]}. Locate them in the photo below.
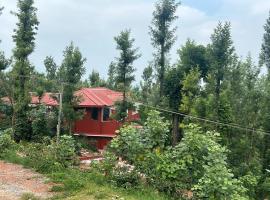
{"type": "Point", "coordinates": [16, 181]}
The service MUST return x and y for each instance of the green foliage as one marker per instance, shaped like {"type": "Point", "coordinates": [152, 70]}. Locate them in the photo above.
{"type": "Point", "coordinates": [111, 76]}
{"type": "Point", "coordinates": [146, 84]}
{"type": "Point", "coordinates": [51, 68]}
{"type": "Point", "coordinates": [24, 38]}
{"type": "Point", "coordinates": [191, 91]}
{"type": "Point", "coordinates": [194, 56]}
{"type": "Point", "coordinates": [50, 157]}
{"type": "Point", "coordinates": [128, 54]}
{"type": "Point", "coordinates": [156, 131]}
{"type": "Point", "coordinates": [6, 141]}
{"type": "Point", "coordinates": [131, 143]}
{"type": "Point", "coordinates": [192, 165]}
{"type": "Point", "coordinates": [64, 152]}
{"type": "Point", "coordinates": [265, 49]}
{"type": "Point", "coordinates": [4, 62]}
{"type": "Point", "coordinates": [43, 123]}
{"type": "Point", "coordinates": [125, 177]}
{"type": "Point", "coordinates": [265, 188]}
{"type": "Point", "coordinates": [71, 72]}
{"type": "Point", "coordinates": [124, 70]}
{"type": "Point", "coordinates": [95, 80]}
{"type": "Point", "coordinates": [128, 143]}
{"type": "Point", "coordinates": [163, 36]}
{"type": "Point", "coordinates": [39, 126]}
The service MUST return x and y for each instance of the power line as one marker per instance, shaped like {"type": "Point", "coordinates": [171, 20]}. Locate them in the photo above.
{"type": "Point", "coordinates": [237, 126]}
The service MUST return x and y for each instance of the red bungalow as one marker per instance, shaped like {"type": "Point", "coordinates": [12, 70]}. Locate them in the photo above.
{"type": "Point", "coordinates": [97, 104]}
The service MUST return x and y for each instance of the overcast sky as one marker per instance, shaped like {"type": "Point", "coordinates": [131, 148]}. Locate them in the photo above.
{"type": "Point", "coordinates": [92, 24]}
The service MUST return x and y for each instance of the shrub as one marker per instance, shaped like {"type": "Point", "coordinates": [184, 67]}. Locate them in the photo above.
{"type": "Point", "coordinates": [128, 143]}
{"type": "Point", "coordinates": [53, 157]}
{"type": "Point", "coordinates": [43, 123]}
{"type": "Point", "coordinates": [265, 188]}
{"type": "Point", "coordinates": [132, 143]}
{"type": "Point", "coordinates": [38, 156]}
{"type": "Point", "coordinates": [6, 141]}
{"type": "Point", "coordinates": [65, 151]}
{"type": "Point", "coordinates": [125, 177]}
{"type": "Point", "coordinates": [120, 174]}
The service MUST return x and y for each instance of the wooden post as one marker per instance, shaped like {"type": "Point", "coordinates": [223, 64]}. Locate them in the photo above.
{"type": "Point", "coordinates": [59, 113]}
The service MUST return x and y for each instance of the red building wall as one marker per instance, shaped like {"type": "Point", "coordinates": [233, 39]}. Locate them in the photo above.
{"type": "Point", "coordinates": [89, 126]}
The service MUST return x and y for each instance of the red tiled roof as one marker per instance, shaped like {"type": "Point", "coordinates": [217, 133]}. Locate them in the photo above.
{"type": "Point", "coordinates": [46, 99]}
{"type": "Point", "coordinates": [97, 97]}
{"type": "Point", "coordinates": [88, 97]}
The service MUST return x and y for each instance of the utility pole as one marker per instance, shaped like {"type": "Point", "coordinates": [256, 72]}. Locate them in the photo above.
{"type": "Point", "coordinates": [60, 113]}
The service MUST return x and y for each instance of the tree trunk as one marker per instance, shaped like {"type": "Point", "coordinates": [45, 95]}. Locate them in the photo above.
{"type": "Point", "coordinates": [162, 72]}
{"type": "Point", "coordinates": [176, 133]}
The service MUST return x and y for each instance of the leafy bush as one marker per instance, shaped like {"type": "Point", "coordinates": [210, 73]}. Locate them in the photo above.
{"type": "Point", "coordinates": [121, 175]}
{"type": "Point", "coordinates": [43, 123]}
{"type": "Point", "coordinates": [128, 143]}
{"type": "Point", "coordinates": [52, 157]}
{"type": "Point", "coordinates": [65, 151]}
{"type": "Point", "coordinates": [265, 188]}
{"type": "Point", "coordinates": [125, 177]}
{"type": "Point", "coordinates": [195, 163]}
{"type": "Point", "coordinates": [85, 143]}
{"type": "Point", "coordinates": [190, 167]}
{"type": "Point", "coordinates": [132, 143]}
{"type": "Point", "coordinates": [6, 141]}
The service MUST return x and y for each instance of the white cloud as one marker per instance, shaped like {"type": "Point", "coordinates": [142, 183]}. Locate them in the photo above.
{"type": "Point", "coordinates": [93, 24]}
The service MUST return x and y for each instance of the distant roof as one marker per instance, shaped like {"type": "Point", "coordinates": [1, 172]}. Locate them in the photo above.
{"type": "Point", "coordinates": [88, 97]}
{"type": "Point", "coordinates": [97, 97]}
{"type": "Point", "coordinates": [46, 99]}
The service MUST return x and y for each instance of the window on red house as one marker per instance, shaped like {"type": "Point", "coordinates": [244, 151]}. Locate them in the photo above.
{"type": "Point", "coordinates": [106, 114]}
{"type": "Point", "coordinates": [94, 114]}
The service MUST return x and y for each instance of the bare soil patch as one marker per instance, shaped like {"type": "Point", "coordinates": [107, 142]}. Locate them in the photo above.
{"type": "Point", "coordinates": [16, 181]}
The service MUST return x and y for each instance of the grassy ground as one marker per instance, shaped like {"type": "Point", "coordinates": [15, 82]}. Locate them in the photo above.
{"type": "Point", "coordinates": [74, 184]}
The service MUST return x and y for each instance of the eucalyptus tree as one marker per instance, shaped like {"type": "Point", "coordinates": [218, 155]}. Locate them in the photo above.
{"type": "Point", "coordinates": [265, 60]}
{"type": "Point", "coordinates": [163, 36]}
{"type": "Point", "coordinates": [124, 70]}
{"type": "Point", "coordinates": [70, 74]}
{"type": "Point", "coordinates": [221, 55]}
{"type": "Point", "coordinates": [95, 80]}
{"type": "Point", "coordinates": [51, 68]}
{"type": "Point", "coordinates": [146, 83]}
{"type": "Point", "coordinates": [111, 76]}
{"type": "Point", "coordinates": [24, 38]}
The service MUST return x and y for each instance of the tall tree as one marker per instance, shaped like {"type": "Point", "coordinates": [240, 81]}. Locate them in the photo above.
{"type": "Point", "coordinates": [4, 62]}
{"type": "Point", "coordinates": [124, 68]}
{"type": "Point", "coordinates": [193, 56]}
{"type": "Point", "coordinates": [95, 80]}
{"type": "Point", "coordinates": [111, 76]}
{"type": "Point", "coordinates": [24, 38]}
{"type": "Point", "coordinates": [163, 35]}
{"type": "Point", "coordinates": [221, 54]}
{"type": "Point", "coordinates": [265, 50]}
{"type": "Point", "coordinates": [146, 83]}
{"type": "Point", "coordinates": [265, 59]}
{"type": "Point", "coordinates": [51, 68]}
{"type": "Point", "coordinates": [70, 73]}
